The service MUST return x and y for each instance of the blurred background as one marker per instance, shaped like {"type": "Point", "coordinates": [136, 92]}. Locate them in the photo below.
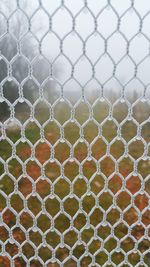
{"type": "Point", "coordinates": [74, 133]}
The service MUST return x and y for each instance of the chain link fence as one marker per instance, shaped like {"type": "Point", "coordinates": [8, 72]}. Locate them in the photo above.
{"type": "Point", "coordinates": [74, 133]}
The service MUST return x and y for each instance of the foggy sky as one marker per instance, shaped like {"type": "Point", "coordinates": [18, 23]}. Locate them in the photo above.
{"type": "Point", "coordinates": [72, 43]}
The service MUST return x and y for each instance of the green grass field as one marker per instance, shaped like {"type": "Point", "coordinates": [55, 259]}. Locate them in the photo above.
{"type": "Point", "coordinates": [81, 188]}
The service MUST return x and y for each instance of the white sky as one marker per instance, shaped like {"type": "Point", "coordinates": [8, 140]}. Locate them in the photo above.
{"type": "Point", "coordinates": [107, 20]}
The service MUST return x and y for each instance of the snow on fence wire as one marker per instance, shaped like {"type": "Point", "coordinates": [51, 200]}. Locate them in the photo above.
{"type": "Point", "coordinates": [74, 133]}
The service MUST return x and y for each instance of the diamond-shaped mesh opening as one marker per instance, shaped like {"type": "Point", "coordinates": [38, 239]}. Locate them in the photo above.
{"type": "Point", "coordinates": [74, 133]}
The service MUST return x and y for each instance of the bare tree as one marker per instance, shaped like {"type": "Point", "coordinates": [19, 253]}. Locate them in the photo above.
{"type": "Point", "coordinates": [19, 51]}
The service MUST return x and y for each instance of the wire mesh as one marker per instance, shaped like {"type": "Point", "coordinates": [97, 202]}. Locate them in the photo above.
{"type": "Point", "coordinates": [74, 133]}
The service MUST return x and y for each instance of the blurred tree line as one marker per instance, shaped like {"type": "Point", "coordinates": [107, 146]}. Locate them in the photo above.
{"type": "Point", "coordinates": [19, 59]}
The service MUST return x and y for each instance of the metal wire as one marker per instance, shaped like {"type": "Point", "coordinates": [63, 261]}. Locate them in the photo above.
{"type": "Point", "coordinates": [74, 142]}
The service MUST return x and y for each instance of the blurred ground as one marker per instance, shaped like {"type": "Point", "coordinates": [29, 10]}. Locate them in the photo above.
{"type": "Point", "coordinates": [105, 186]}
